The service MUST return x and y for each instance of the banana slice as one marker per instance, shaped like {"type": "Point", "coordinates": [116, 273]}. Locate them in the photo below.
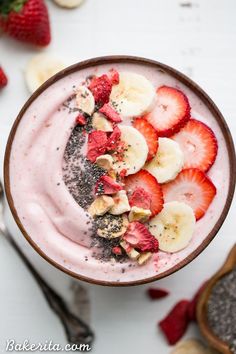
{"type": "Point", "coordinates": [40, 68]}
{"type": "Point", "coordinates": [173, 226]}
{"type": "Point", "coordinates": [135, 150]}
{"type": "Point", "coordinates": [85, 100]}
{"type": "Point", "coordinates": [69, 4]}
{"type": "Point", "coordinates": [168, 162]}
{"type": "Point", "coordinates": [110, 226]}
{"type": "Point", "coordinates": [133, 96]}
{"type": "Point", "coordinates": [190, 346]}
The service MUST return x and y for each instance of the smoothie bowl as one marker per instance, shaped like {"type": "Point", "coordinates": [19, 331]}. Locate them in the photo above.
{"type": "Point", "coordinates": [119, 170]}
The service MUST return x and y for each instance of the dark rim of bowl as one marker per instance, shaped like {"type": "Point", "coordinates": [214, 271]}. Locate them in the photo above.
{"type": "Point", "coordinates": [183, 79]}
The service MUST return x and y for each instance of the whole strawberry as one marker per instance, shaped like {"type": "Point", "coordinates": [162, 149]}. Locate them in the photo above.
{"type": "Point", "coordinates": [26, 20]}
{"type": "Point", "coordinates": [3, 78]}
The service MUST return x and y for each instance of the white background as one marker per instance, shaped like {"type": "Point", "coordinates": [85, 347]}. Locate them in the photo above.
{"type": "Point", "coordinates": [199, 40]}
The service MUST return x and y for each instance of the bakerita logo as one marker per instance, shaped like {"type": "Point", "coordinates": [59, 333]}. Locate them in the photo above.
{"type": "Point", "coordinates": [48, 346]}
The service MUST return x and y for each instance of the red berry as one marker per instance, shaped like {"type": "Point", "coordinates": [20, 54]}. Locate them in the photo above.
{"type": "Point", "coordinates": [149, 133]}
{"type": "Point", "coordinates": [117, 250]}
{"type": "Point", "coordinates": [171, 112]}
{"type": "Point", "coordinates": [140, 198]}
{"type": "Point", "coordinates": [107, 185]}
{"type": "Point", "coordinates": [138, 236]}
{"type": "Point", "coordinates": [3, 78]}
{"type": "Point", "coordinates": [193, 187]}
{"type": "Point", "coordinates": [123, 173]}
{"type": "Point", "coordinates": [80, 119]}
{"type": "Point", "coordinates": [101, 89]}
{"type": "Point", "coordinates": [113, 140]}
{"type": "Point", "coordinates": [175, 324]}
{"type": "Point", "coordinates": [28, 21]}
{"type": "Point", "coordinates": [110, 113]}
{"type": "Point", "coordinates": [157, 293]}
{"type": "Point", "coordinates": [114, 77]}
{"type": "Point", "coordinates": [97, 141]}
{"type": "Point", "coordinates": [199, 145]}
{"type": "Point", "coordinates": [149, 183]}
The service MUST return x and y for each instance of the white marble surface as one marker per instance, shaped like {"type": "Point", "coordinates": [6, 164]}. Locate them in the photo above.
{"type": "Point", "coordinates": [199, 40]}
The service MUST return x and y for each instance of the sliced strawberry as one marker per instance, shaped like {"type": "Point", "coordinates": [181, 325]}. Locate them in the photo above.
{"type": "Point", "coordinates": [138, 236]}
{"type": "Point", "coordinates": [149, 133]}
{"type": "Point", "coordinates": [171, 111]}
{"type": "Point", "coordinates": [107, 185]}
{"type": "Point", "coordinates": [193, 187]}
{"type": "Point", "coordinates": [140, 198]}
{"type": "Point", "coordinates": [101, 89]}
{"type": "Point", "coordinates": [175, 324]}
{"type": "Point", "coordinates": [114, 77]}
{"type": "Point", "coordinates": [3, 78]}
{"type": "Point", "coordinates": [149, 183]}
{"type": "Point", "coordinates": [199, 145]}
{"type": "Point", "coordinates": [157, 293]}
{"type": "Point", "coordinates": [110, 113]}
{"type": "Point", "coordinates": [80, 119]}
{"type": "Point", "coordinates": [97, 142]}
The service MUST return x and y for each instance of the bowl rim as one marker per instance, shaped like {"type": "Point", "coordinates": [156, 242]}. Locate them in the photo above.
{"type": "Point", "coordinates": [180, 77]}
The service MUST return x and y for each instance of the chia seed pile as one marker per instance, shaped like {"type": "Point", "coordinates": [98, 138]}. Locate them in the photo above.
{"type": "Point", "coordinates": [80, 177]}
{"type": "Point", "coordinates": [222, 309]}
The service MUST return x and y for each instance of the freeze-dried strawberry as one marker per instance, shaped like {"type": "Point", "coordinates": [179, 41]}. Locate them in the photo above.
{"type": "Point", "coordinates": [110, 113]}
{"type": "Point", "coordinates": [175, 324]}
{"type": "Point", "coordinates": [97, 141]}
{"type": "Point", "coordinates": [101, 89]}
{"type": "Point", "coordinates": [114, 77]}
{"type": "Point", "coordinates": [3, 78]}
{"type": "Point", "coordinates": [140, 198]}
{"type": "Point", "coordinates": [192, 308]}
{"type": "Point", "coordinates": [117, 250]}
{"type": "Point", "coordinates": [112, 142]}
{"type": "Point", "coordinates": [107, 185]}
{"type": "Point", "coordinates": [138, 236]}
{"type": "Point", "coordinates": [80, 119]}
{"type": "Point", "coordinates": [157, 293]}
{"type": "Point", "coordinates": [123, 173]}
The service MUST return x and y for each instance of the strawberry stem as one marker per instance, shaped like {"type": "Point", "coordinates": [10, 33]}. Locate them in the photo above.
{"type": "Point", "coordinates": [7, 6]}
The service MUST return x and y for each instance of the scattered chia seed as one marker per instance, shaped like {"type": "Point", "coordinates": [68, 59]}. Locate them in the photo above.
{"type": "Point", "coordinates": [221, 311]}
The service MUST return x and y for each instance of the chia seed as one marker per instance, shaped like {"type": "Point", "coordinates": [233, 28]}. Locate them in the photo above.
{"type": "Point", "coordinates": [221, 310]}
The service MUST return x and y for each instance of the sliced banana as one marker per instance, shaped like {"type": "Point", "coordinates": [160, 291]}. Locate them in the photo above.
{"type": "Point", "coordinates": [133, 96]}
{"type": "Point", "coordinates": [121, 203]}
{"type": "Point", "coordinates": [99, 122]}
{"type": "Point", "coordinates": [173, 226]}
{"type": "Point", "coordinates": [135, 150]}
{"type": "Point", "coordinates": [40, 68]}
{"type": "Point", "coordinates": [69, 4]}
{"type": "Point", "coordinates": [111, 226]}
{"type": "Point", "coordinates": [190, 346]}
{"type": "Point", "coordinates": [85, 100]}
{"type": "Point", "coordinates": [168, 162]}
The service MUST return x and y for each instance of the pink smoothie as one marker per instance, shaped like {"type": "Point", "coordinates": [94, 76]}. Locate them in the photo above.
{"type": "Point", "coordinates": [46, 208]}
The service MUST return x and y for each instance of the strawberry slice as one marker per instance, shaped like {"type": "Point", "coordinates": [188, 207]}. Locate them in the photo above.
{"type": "Point", "coordinates": [149, 134]}
{"type": "Point", "coordinates": [3, 78]}
{"type": "Point", "coordinates": [138, 236]}
{"type": "Point", "coordinates": [101, 89]}
{"type": "Point", "coordinates": [97, 144]}
{"type": "Point", "coordinates": [199, 145]}
{"type": "Point", "coordinates": [107, 185]}
{"type": "Point", "coordinates": [193, 187]}
{"type": "Point", "coordinates": [140, 198]}
{"type": "Point", "coordinates": [171, 111]}
{"type": "Point", "coordinates": [149, 183]}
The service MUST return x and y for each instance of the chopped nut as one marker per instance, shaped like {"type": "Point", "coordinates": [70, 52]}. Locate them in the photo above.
{"type": "Point", "coordinates": [101, 123]}
{"type": "Point", "coordinates": [105, 161]}
{"type": "Point", "coordinates": [111, 226]}
{"type": "Point", "coordinates": [139, 214]}
{"type": "Point", "coordinates": [101, 205]}
{"type": "Point", "coordinates": [144, 257]}
{"type": "Point", "coordinates": [121, 203]}
{"type": "Point", "coordinates": [131, 252]}
{"type": "Point", "coordinates": [112, 174]}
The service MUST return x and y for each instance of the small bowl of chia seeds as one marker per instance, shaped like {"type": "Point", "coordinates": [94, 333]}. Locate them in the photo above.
{"type": "Point", "coordinates": [216, 310]}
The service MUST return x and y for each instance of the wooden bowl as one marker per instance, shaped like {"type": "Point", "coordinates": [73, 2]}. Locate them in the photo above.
{"type": "Point", "coordinates": [212, 339]}
{"type": "Point", "coordinates": [188, 83]}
